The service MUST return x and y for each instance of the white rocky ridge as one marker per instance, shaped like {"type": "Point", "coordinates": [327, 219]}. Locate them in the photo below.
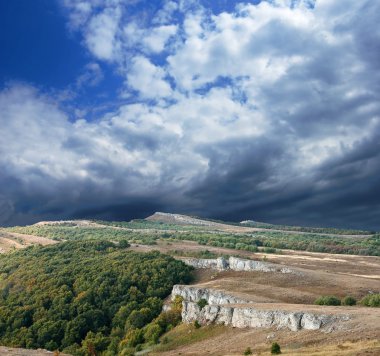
{"type": "Point", "coordinates": [213, 296]}
{"type": "Point", "coordinates": [242, 316]}
{"type": "Point", "coordinates": [237, 264]}
{"type": "Point", "coordinates": [81, 223]}
{"type": "Point", "coordinates": [181, 219]}
{"type": "Point", "coordinates": [226, 309]}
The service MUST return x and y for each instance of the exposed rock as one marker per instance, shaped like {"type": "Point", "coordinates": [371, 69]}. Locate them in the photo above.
{"type": "Point", "coordinates": [220, 264]}
{"type": "Point", "coordinates": [226, 309]}
{"type": "Point", "coordinates": [9, 351]}
{"type": "Point", "coordinates": [181, 219]}
{"type": "Point", "coordinates": [237, 264]}
{"type": "Point", "coordinates": [243, 316]}
{"type": "Point", "coordinates": [213, 296]}
{"type": "Point", "coordinates": [80, 223]}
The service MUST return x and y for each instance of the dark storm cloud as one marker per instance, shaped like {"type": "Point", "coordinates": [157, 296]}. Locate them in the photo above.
{"type": "Point", "coordinates": [344, 192]}
{"type": "Point", "coordinates": [132, 210]}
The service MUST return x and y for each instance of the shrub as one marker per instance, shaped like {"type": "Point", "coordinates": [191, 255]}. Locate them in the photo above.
{"type": "Point", "coordinates": [177, 303]}
{"type": "Point", "coordinates": [152, 333]}
{"type": "Point", "coordinates": [275, 349]}
{"type": "Point", "coordinates": [196, 324]}
{"type": "Point", "coordinates": [327, 300]}
{"type": "Point", "coordinates": [371, 300]}
{"type": "Point", "coordinates": [348, 301]}
{"type": "Point", "coordinates": [124, 244]}
{"type": "Point", "coordinates": [133, 338]}
{"type": "Point", "coordinates": [202, 303]}
{"type": "Point", "coordinates": [247, 351]}
{"type": "Point", "coordinates": [168, 319]}
{"type": "Point", "coordinates": [96, 342]}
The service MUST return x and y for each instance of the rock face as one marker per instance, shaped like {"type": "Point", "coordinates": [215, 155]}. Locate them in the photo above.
{"type": "Point", "coordinates": [180, 219]}
{"type": "Point", "coordinates": [249, 316]}
{"type": "Point", "coordinates": [230, 310]}
{"type": "Point", "coordinates": [213, 296]}
{"type": "Point", "coordinates": [10, 351]}
{"type": "Point", "coordinates": [237, 264]}
{"type": "Point", "coordinates": [220, 264]}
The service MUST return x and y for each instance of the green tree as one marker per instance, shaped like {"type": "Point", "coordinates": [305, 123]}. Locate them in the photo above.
{"type": "Point", "coordinates": [124, 244]}
{"type": "Point", "coordinates": [177, 303]}
{"type": "Point", "coordinates": [133, 338]}
{"type": "Point", "coordinates": [371, 300]}
{"type": "Point", "coordinates": [202, 303]}
{"type": "Point", "coordinates": [138, 318]}
{"type": "Point", "coordinates": [327, 300]}
{"type": "Point", "coordinates": [94, 344]}
{"type": "Point", "coordinates": [348, 301]}
{"type": "Point", "coordinates": [247, 351]}
{"type": "Point", "coordinates": [275, 349]}
{"type": "Point", "coordinates": [152, 333]}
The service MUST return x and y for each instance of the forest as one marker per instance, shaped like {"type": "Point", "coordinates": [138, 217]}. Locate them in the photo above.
{"type": "Point", "coordinates": [86, 297]}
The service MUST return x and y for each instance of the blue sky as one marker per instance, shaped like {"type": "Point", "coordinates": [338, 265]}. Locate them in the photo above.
{"type": "Point", "coordinates": [264, 110]}
{"type": "Point", "coordinates": [37, 48]}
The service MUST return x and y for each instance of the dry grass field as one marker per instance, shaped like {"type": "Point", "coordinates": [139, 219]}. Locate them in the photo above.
{"type": "Point", "coordinates": [223, 341]}
{"type": "Point", "coordinates": [12, 240]}
{"type": "Point", "coordinates": [322, 274]}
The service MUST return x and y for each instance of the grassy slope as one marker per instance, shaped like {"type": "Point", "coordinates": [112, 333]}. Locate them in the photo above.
{"type": "Point", "coordinates": [220, 340]}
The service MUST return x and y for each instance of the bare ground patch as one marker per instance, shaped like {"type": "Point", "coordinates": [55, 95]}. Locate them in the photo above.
{"type": "Point", "coordinates": [12, 240]}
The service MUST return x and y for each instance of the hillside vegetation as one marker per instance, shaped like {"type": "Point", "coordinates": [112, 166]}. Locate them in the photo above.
{"type": "Point", "coordinates": [85, 297]}
{"type": "Point", "coordinates": [148, 232]}
{"type": "Point", "coordinates": [317, 230]}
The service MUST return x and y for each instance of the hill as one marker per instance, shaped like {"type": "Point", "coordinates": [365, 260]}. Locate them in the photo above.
{"type": "Point", "coordinates": [272, 274]}
{"type": "Point", "coordinates": [205, 232]}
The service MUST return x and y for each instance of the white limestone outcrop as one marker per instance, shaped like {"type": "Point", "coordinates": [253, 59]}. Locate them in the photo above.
{"type": "Point", "coordinates": [242, 316]}
{"type": "Point", "coordinates": [181, 219]}
{"type": "Point", "coordinates": [237, 264]}
{"type": "Point", "coordinates": [213, 296]}
{"type": "Point", "coordinates": [230, 310]}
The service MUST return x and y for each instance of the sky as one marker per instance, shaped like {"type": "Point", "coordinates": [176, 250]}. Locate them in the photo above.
{"type": "Point", "coordinates": [263, 110]}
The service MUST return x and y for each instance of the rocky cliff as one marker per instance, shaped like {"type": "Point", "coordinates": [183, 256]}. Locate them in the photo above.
{"type": "Point", "coordinates": [220, 264]}
{"type": "Point", "coordinates": [227, 309]}
{"type": "Point", "coordinates": [213, 296]}
{"type": "Point", "coordinates": [237, 264]}
{"type": "Point", "coordinates": [181, 219]}
{"type": "Point", "coordinates": [242, 316]}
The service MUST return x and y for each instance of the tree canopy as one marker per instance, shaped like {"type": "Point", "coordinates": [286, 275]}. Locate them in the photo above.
{"type": "Point", "coordinates": [82, 296]}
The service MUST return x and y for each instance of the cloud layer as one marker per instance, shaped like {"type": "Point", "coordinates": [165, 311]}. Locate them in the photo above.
{"type": "Point", "coordinates": [270, 112]}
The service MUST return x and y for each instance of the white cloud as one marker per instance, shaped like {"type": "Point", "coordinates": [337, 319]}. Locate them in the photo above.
{"type": "Point", "coordinates": [259, 42]}
{"type": "Point", "coordinates": [34, 131]}
{"type": "Point", "coordinates": [148, 79]}
{"type": "Point", "coordinates": [91, 76]}
{"type": "Point", "coordinates": [157, 38]}
{"type": "Point", "coordinates": [44, 148]}
{"type": "Point", "coordinates": [165, 15]}
{"type": "Point", "coordinates": [285, 58]}
{"type": "Point", "coordinates": [101, 34]}
{"type": "Point", "coordinates": [148, 40]}
{"type": "Point", "coordinates": [80, 12]}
